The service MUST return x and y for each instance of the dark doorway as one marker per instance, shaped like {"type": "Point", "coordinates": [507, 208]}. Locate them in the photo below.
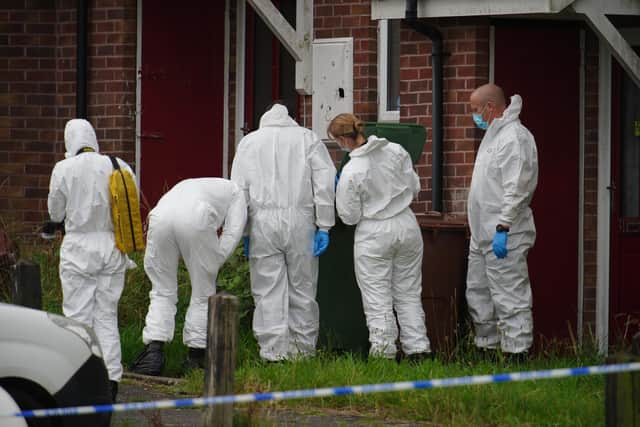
{"type": "Point", "coordinates": [182, 79]}
{"type": "Point", "coordinates": [624, 296]}
{"type": "Point", "coordinates": [540, 61]}
{"type": "Point", "coordinates": [270, 69]}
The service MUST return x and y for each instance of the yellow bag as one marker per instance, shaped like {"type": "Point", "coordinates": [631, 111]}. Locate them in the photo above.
{"type": "Point", "coordinates": [125, 210]}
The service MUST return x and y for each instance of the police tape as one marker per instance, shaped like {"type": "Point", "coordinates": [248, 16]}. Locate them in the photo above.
{"type": "Point", "coordinates": [332, 391]}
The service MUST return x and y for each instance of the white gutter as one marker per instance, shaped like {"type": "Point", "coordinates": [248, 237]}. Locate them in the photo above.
{"type": "Point", "coordinates": [394, 9]}
{"type": "Point", "coordinates": [604, 197]}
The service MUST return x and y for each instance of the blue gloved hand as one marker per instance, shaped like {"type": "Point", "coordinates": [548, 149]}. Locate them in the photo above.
{"type": "Point", "coordinates": [246, 246]}
{"type": "Point", "coordinates": [500, 244]}
{"type": "Point", "coordinates": [320, 242]}
{"type": "Point", "coordinates": [335, 187]}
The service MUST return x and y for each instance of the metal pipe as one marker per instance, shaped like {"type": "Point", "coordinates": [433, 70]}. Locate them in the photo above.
{"type": "Point", "coordinates": [81, 59]}
{"type": "Point", "coordinates": [411, 18]}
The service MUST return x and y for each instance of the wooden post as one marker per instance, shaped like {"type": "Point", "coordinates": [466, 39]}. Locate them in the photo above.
{"type": "Point", "coordinates": [27, 290]}
{"type": "Point", "coordinates": [622, 391]}
{"type": "Point", "coordinates": [222, 332]}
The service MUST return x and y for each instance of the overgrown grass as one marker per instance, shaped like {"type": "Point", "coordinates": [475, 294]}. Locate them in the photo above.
{"type": "Point", "coordinates": [572, 401]}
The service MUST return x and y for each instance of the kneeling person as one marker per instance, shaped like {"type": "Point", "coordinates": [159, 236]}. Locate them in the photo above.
{"type": "Point", "coordinates": [185, 223]}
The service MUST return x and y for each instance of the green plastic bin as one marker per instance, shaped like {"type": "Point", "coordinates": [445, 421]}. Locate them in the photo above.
{"type": "Point", "coordinates": [343, 326]}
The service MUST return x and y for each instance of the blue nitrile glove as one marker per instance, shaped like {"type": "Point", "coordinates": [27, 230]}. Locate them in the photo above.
{"type": "Point", "coordinates": [320, 242]}
{"type": "Point", "coordinates": [246, 246]}
{"type": "Point", "coordinates": [335, 187]}
{"type": "Point", "coordinates": [500, 244]}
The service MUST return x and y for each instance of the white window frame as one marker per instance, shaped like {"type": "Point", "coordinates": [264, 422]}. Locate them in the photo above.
{"type": "Point", "coordinates": [384, 115]}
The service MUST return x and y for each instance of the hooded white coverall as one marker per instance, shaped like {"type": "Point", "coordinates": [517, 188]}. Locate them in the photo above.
{"type": "Point", "coordinates": [185, 222]}
{"type": "Point", "coordinates": [288, 178]}
{"type": "Point", "coordinates": [92, 268]}
{"type": "Point", "coordinates": [504, 178]}
{"type": "Point", "coordinates": [375, 191]}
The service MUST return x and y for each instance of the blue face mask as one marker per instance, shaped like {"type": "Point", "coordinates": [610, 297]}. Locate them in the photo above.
{"type": "Point", "coordinates": [479, 121]}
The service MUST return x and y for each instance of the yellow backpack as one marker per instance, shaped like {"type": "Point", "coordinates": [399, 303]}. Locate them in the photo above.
{"type": "Point", "coordinates": [125, 210]}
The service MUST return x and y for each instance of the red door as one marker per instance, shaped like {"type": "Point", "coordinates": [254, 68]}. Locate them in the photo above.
{"type": "Point", "coordinates": [182, 93]}
{"type": "Point", "coordinates": [624, 296]}
{"type": "Point", "coordinates": [541, 62]}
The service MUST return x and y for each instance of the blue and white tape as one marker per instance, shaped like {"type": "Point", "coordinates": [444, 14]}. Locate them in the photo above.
{"type": "Point", "coordinates": [333, 391]}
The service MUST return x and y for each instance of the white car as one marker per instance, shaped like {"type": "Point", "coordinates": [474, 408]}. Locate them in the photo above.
{"type": "Point", "coordinates": [50, 361]}
{"type": "Point", "coordinates": [8, 405]}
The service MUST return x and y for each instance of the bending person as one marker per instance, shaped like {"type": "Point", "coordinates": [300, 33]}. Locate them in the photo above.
{"type": "Point", "coordinates": [185, 223]}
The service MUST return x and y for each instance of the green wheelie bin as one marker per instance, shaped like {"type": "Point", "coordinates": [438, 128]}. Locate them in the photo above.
{"type": "Point", "coordinates": [343, 326]}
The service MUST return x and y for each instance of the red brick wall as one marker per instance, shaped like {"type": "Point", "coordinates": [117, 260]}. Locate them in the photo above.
{"type": "Point", "coordinates": [590, 183]}
{"type": "Point", "coordinates": [37, 93]}
{"type": "Point", "coordinates": [465, 41]}
{"type": "Point", "coordinates": [27, 109]}
{"type": "Point", "coordinates": [466, 66]}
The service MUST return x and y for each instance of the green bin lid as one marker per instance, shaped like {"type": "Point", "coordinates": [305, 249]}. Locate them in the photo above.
{"type": "Point", "coordinates": [411, 136]}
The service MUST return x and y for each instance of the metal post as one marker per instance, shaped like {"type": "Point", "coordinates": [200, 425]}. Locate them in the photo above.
{"type": "Point", "coordinates": [622, 391]}
{"type": "Point", "coordinates": [222, 331]}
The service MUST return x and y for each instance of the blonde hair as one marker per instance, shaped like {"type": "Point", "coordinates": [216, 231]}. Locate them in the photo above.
{"type": "Point", "coordinates": [345, 124]}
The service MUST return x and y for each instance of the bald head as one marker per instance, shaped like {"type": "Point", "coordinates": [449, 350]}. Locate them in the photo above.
{"type": "Point", "coordinates": [488, 93]}
{"type": "Point", "coordinates": [488, 101]}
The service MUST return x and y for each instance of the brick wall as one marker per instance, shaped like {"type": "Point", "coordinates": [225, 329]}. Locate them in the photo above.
{"type": "Point", "coordinates": [466, 47]}
{"type": "Point", "coordinates": [27, 109]}
{"type": "Point", "coordinates": [37, 94]}
{"type": "Point", "coordinates": [465, 67]}
{"type": "Point", "coordinates": [590, 183]}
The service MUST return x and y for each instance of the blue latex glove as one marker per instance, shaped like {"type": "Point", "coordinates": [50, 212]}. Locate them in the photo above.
{"type": "Point", "coordinates": [320, 242]}
{"type": "Point", "coordinates": [335, 187]}
{"type": "Point", "coordinates": [246, 246]}
{"type": "Point", "coordinates": [500, 244]}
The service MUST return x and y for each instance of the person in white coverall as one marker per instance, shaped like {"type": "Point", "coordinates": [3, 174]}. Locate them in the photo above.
{"type": "Point", "coordinates": [502, 228]}
{"type": "Point", "coordinates": [185, 223]}
{"type": "Point", "coordinates": [92, 268]}
{"type": "Point", "coordinates": [375, 190]}
{"type": "Point", "coordinates": [288, 178]}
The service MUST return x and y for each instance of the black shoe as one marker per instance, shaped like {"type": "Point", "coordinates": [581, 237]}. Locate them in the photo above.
{"type": "Point", "coordinates": [114, 390]}
{"type": "Point", "coordinates": [417, 358]}
{"type": "Point", "coordinates": [195, 359]}
{"type": "Point", "coordinates": [516, 358]}
{"type": "Point", "coordinates": [150, 361]}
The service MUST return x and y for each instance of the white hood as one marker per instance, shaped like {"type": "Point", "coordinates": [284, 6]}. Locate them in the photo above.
{"type": "Point", "coordinates": [79, 133]}
{"type": "Point", "coordinates": [278, 115]}
{"type": "Point", "coordinates": [373, 143]}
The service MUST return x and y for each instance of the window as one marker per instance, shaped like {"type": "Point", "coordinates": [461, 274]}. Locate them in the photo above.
{"type": "Point", "coordinates": [389, 70]}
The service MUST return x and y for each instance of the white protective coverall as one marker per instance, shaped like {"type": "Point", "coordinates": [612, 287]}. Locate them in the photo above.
{"type": "Point", "coordinates": [504, 178]}
{"type": "Point", "coordinates": [92, 268]}
{"type": "Point", "coordinates": [375, 191]}
{"type": "Point", "coordinates": [185, 222]}
{"type": "Point", "coordinates": [288, 178]}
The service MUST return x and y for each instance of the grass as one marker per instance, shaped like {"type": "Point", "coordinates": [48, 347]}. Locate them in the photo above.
{"type": "Point", "coordinates": [572, 401]}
